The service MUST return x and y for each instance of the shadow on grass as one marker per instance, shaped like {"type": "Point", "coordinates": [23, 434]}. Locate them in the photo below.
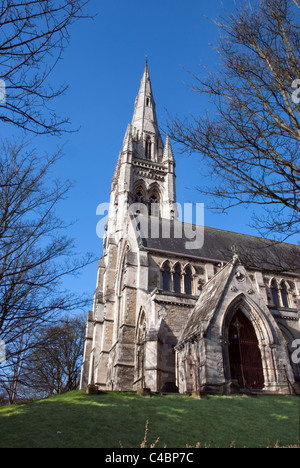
{"type": "Point", "coordinates": [118, 419]}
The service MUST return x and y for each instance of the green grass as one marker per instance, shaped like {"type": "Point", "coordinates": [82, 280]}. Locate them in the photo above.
{"type": "Point", "coordinates": [108, 420]}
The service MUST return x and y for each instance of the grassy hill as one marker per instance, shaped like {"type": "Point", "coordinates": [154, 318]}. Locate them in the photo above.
{"type": "Point", "coordinates": [111, 420]}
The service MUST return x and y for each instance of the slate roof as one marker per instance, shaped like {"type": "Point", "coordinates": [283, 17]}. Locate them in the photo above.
{"type": "Point", "coordinates": [254, 252]}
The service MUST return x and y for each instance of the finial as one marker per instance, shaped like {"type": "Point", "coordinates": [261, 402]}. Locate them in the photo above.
{"type": "Point", "coordinates": [234, 250]}
{"type": "Point", "coordinates": [146, 55]}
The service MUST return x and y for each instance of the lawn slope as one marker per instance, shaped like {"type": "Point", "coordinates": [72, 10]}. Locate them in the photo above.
{"type": "Point", "coordinates": [112, 420]}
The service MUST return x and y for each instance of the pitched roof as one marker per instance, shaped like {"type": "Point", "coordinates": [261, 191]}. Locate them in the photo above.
{"type": "Point", "coordinates": [216, 245]}
{"type": "Point", "coordinates": [207, 304]}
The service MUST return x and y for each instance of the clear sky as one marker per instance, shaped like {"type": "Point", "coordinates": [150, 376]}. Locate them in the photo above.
{"type": "Point", "coordinates": [103, 65]}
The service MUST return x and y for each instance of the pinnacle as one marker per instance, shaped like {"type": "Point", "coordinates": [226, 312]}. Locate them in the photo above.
{"type": "Point", "coordinates": [168, 152]}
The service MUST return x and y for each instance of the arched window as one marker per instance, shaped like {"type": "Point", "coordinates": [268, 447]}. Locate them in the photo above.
{"type": "Point", "coordinates": [284, 294]}
{"type": "Point", "coordinates": [140, 192]}
{"type": "Point", "coordinates": [154, 202]}
{"type": "Point", "coordinates": [177, 278]}
{"type": "Point", "coordinates": [139, 201]}
{"type": "Point", "coordinates": [188, 278]}
{"type": "Point", "coordinates": [275, 293]}
{"type": "Point", "coordinates": [166, 276]}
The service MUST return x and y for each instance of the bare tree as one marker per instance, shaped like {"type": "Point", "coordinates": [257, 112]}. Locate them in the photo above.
{"type": "Point", "coordinates": [249, 141]}
{"type": "Point", "coordinates": [50, 365]}
{"type": "Point", "coordinates": [54, 366]}
{"type": "Point", "coordinates": [33, 34]}
{"type": "Point", "coordinates": [35, 253]}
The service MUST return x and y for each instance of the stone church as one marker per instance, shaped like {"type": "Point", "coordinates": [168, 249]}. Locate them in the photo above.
{"type": "Point", "coordinates": [219, 316]}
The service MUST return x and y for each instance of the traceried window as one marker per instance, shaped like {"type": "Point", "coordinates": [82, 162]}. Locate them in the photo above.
{"type": "Point", "coordinates": [177, 279]}
{"type": "Point", "coordinates": [140, 192]}
{"type": "Point", "coordinates": [139, 200]}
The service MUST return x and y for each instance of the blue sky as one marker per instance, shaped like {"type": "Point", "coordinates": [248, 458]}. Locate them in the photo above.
{"type": "Point", "coordinates": [103, 65]}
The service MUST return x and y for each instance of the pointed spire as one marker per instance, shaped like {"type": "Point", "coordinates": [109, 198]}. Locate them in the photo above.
{"type": "Point", "coordinates": [168, 152]}
{"type": "Point", "coordinates": [147, 142]}
{"type": "Point", "coordinates": [144, 118]}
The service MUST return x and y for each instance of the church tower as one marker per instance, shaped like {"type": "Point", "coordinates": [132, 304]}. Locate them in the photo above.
{"type": "Point", "coordinates": [145, 171]}
{"type": "Point", "coordinates": [145, 179]}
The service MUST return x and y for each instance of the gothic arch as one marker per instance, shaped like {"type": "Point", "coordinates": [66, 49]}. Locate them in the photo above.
{"type": "Point", "coordinates": [244, 353]}
{"type": "Point", "coordinates": [263, 329]}
{"type": "Point", "coordinates": [270, 342]}
{"type": "Point", "coordinates": [154, 186]}
{"type": "Point", "coordinates": [154, 191]}
{"type": "Point", "coordinates": [281, 292]}
{"type": "Point", "coordinates": [139, 192]}
{"type": "Point", "coordinates": [188, 265]}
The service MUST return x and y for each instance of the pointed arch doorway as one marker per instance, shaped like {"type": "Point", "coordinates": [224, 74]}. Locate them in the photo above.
{"type": "Point", "coordinates": [244, 353]}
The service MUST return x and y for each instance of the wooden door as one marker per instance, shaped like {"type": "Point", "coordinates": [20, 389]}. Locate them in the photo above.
{"type": "Point", "coordinates": [244, 353]}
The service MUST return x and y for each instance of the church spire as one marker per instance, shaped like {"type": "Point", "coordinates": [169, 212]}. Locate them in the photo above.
{"type": "Point", "coordinates": [144, 117]}
{"type": "Point", "coordinates": [146, 133]}
{"type": "Point", "coordinates": [146, 169]}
